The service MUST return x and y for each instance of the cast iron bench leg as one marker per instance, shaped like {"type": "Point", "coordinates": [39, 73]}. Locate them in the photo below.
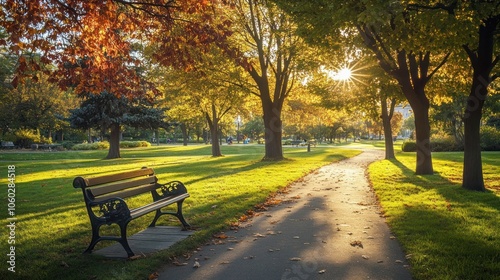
{"type": "Point", "coordinates": [179, 216]}
{"type": "Point", "coordinates": [95, 239]}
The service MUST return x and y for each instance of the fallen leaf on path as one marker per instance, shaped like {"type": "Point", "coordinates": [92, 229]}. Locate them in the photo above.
{"type": "Point", "coordinates": [295, 259]}
{"type": "Point", "coordinates": [196, 265]}
{"type": "Point", "coordinates": [243, 218]}
{"type": "Point", "coordinates": [176, 263]}
{"type": "Point", "coordinates": [356, 243]}
{"type": "Point", "coordinates": [322, 271]}
{"type": "Point", "coordinates": [220, 236]}
{"type": "Point", "coordinates": [153, 276]}
{"type": "Point", "coordinates": [235, 226]}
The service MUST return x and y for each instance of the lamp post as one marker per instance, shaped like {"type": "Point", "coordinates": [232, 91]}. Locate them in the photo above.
{"type": "Point", "coordinates": [238, 120]}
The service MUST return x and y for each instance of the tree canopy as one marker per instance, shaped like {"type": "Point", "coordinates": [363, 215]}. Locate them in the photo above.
{"type": "Point", "coordinates": [92, 43]}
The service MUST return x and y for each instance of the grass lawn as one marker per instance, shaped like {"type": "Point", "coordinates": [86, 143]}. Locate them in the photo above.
{"type": "Point", "coordinates": [52, 227]}
{"type": "Point", "coordinates": [448, 232]}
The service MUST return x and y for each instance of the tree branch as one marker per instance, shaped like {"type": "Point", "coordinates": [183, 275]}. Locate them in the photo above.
{"type": "Point", "coordinates": [143, 6]}
{"type": "Point", "coordinates": [439, 66]}
{"type": "Point", "coordinates": [413, 70]}
{"type": "Point", "coordinates": [472, 55]}
{"type": "Point", "coordinates": [371, 43]}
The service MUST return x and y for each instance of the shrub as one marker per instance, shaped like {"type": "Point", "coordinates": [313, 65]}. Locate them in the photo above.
{"type": "Point", "coordinates": [409, 146]}
{"type": "Point", "coordinates": [92, 146]}
{"type": "Point", "coordinates": [445, 144]}
{"type": "Point", "coordinates": [134, 144]}
{"type": "Point", "coordinates": [437, 145]}
{"type": "Point", "coordinates": [490, 138]}
{"type": "Point", "coordinates": [68, 145]}
{"type": "Point", "coordinates": [26, 137]}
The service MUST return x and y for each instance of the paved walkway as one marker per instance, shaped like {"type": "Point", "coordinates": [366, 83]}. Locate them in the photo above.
{"type": "Point", "coordinates": [328, 227]}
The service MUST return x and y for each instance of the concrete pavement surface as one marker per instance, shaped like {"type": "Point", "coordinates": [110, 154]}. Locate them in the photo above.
{"type": "Point", "coordinates": [327, 226]}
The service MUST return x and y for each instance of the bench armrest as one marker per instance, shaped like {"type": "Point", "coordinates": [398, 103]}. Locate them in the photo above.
{"type": "Point", "coordinates": [171, 188]}
{"type": "Point", "coordinates": [111, 210]}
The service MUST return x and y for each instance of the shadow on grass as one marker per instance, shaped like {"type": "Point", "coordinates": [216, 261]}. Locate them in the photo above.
{"type": "Point", "coordinates": [448, 189]}
{"type": "Point", "coordinates": [458, 240]}
{"type": "Point", "coordinates": [447, 246]}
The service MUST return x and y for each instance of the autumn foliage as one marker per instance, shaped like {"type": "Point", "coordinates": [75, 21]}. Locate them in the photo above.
{"type": "Point", "coordinates": [94, 45]}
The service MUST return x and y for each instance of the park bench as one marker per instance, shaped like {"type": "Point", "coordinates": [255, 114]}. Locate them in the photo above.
{"type": "Point", "coordinates": [105, 201]}
{"type": "Point", "coordinates": [49, 147]}
{"type": "Point", "coordinates": [8, 145]}
{"type": "Point", "coordinates": [297, 142]}
{"type": "Point", "coordinates": [302, 143]}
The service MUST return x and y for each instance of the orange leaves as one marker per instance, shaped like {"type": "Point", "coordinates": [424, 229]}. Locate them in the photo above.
{"type": "Point", "coordinates": [101, 33]}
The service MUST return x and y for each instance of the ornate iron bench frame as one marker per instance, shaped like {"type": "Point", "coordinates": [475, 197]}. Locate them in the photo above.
{"type": "Point", "coordinates": [104, 199]}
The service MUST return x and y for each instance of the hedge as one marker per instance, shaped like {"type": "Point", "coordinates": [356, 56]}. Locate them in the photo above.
{"type": "Point", "coordinates": [134, 144]}
{"type": "Point", "coordinates": [92, 146]}
{"type": "Point", "coordinates": [490, 141]}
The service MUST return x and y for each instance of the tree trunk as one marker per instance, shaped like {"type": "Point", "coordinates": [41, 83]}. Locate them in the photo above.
{"type": "Point", "coordinates": [414, 90]}
{"type": "Point", "coordinates": [213, 124]}
{"type": "Point", "coordinates": [482, 62]}
{"type": "Point", "coordinates": [114, 142]}
{"type": "Point", "coordinates": [185, 136]}
{"type": "Point", "coordinates": [273, 133]}
{"type": "Point", "coordinates": [386, 121]}
{"type": "Point", "coordinates": [423, 139]}
{"type": "Point", "coordinates": [473, 170]}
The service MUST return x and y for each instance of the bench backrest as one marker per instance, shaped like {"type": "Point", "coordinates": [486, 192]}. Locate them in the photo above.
{"type": "Point", "coordinates": [121, 185]}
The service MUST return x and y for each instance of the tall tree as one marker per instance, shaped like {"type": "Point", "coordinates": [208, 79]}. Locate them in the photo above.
{"type": "Point", "coordinates": [399, 39]}
{"type": "Point", "coordinates": [35, 105]}
{"type": "Point", "coordinates": [105, 112]}
{"type": "Point", "coordinates": [265, 44]}
{"type": "Point", "coordinates": [476, 30]}
{"type": "Point", "coordinates": [213, 87]}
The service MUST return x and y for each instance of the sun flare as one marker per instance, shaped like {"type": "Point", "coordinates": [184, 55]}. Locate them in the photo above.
{"type": "Point", "coordinates": [343, 74]}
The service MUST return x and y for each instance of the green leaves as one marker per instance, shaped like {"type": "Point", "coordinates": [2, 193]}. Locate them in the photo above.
{"type": "Point", "coordinates": [102, 110]}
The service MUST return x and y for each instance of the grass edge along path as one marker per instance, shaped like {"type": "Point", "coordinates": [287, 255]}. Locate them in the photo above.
{"type": "Point", "coordinates": [52, 227]}
{"type": "Point", "coordinates": [447, 232]}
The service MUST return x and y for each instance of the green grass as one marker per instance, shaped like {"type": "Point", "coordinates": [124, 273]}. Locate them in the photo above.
{"type": "Point", "coordinates": [450, 233]}
{"type": "Point", "coordinates": [52, 227]}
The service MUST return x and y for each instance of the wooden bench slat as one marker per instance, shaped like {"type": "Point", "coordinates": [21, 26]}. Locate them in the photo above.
{"type": "Point", "coordinates": [137, 212]}
{"type": "Point", "coordinates": [120, 185]}
{"type": "Point", "coordinates": [117, 177]}
{"type": "Point", "coordinates": [126, 193]}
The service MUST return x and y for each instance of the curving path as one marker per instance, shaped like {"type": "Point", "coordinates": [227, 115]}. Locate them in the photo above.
{"type": "Point", "coordinates": [328, 226]}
